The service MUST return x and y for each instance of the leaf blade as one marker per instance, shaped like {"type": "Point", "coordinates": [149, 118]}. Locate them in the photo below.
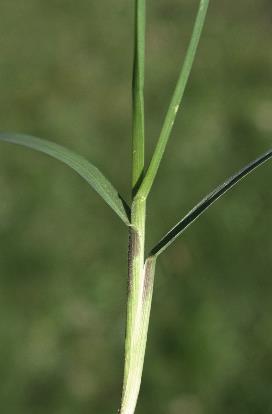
{"type": "Point", "coordinates": [176, 100]}
{"type": "Point", "coordinates": [206, 202]}
{"type": "Point", "coordinates": [83, 167]}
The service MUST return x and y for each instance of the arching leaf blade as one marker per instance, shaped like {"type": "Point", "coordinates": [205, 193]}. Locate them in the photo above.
{"type": "Point", "coordinates": [83, 167]}
{"type": "Point", "coordinates": [206, 202]}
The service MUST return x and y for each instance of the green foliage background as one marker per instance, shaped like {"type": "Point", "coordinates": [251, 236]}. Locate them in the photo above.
{"type": "Point", "coordinates": [65, 73]}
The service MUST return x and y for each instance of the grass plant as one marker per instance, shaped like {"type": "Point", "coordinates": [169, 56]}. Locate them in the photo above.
{"type": "Point", "coordinates": [141, 264]}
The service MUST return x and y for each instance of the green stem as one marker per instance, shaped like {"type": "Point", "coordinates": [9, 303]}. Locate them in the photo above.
{"type": "Point", "coordinates": [137, 310]}
{"type": "Point", "coordinates": [175, 101]}
{"type": "Point", "coordinates": [134, 331]}
{"type": "Point", "coordinates": [140, 289]}
{"type": "Point", "coordinates": [139, 340]}
{"type": "Point", "coordinates": [138, 96]}
{"type": "Point", "coordinates": [141, 277]}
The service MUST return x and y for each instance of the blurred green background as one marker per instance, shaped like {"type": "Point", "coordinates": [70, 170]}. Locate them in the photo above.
{"type": "Point", "coordinates": [65, 74]}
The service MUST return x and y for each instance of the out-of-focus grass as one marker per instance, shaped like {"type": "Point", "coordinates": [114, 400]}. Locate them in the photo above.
{"type": "Point", "coordinates": [65, 75]}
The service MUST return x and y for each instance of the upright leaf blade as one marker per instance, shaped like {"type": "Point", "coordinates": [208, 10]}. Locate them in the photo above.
{"type": "Point", "coordinates": [79, 164]}
{"type": "Point", "coordinates": [206, 202]}
{"type": "Point", "coordinates": [175, 100]}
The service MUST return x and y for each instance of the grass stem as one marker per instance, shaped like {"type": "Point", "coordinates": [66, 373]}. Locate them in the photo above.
{"type": "Point", "coordinates": [138, 129]}
{"type": "Point", "coordinates": [137, 311]}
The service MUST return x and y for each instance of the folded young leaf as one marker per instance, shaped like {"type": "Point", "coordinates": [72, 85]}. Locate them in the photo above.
{"type": "Point", "coordinates": [83, 167]}
{"type": "Point", "coordinates": [206, 202]}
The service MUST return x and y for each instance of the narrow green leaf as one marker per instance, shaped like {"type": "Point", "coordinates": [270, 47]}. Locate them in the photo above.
{"type": "Point", "coordinates": [206, 202]}
{"type": "Point", "coordinates": [175, 101]}
{"type": "Point", "coordinates": [83, 167]}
